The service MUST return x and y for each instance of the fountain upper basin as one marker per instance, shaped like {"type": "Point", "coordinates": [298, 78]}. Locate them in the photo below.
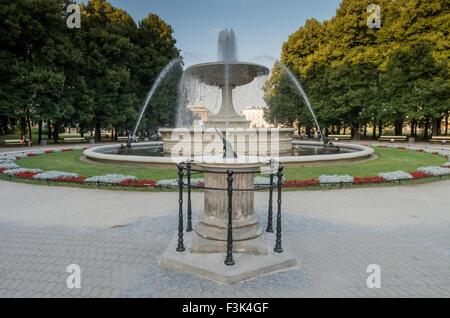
{"type": "Point", "coordinates": [240, 73]}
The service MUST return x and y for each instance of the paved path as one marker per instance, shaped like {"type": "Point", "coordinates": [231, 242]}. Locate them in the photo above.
{"type": "Point", "coordinates": [117, 237]}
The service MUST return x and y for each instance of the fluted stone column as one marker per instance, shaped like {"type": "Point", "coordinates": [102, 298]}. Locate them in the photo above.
{"type": "Point", "coordinates": [211, 228]}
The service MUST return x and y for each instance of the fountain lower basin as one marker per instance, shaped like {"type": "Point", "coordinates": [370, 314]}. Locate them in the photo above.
{"type": "Point", "coordinates": [105, 155]}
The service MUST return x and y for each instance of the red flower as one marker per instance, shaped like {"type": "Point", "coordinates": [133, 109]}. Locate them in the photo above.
{"type": "Point", "coordinates": [67, 149]}
{"type": "Point", "coordinates": [71, 179]}
{"type": "Point", "coordinates": [18, 157]}
{"type": "Point", "coordinates": [48, 152]}
{"type": "Point", "coordinates": [420, 150]}
{"type": "Point", "coordinates": [138, 183]}
{"type": "Point", "coordinates": [84, 148]}
{"type": "Point", "coordinates": [367, 180]}
{"type": "Point", "coordinates": [366, 145]}
{"type": "Point", "coordinates": [301, 183]}
{"type": "Point", "coordinates": [420, 175]}
{"type": "Point", "coordinates": [401, 148]}
{"type": "Point", "coordinates": [3, 170]}
{"type": "Point", "coordinates": [31, 155]}
{"type": "Point", "coordinates": [436, 153]}
{"type": "Point", "coordinates": [26, 174]}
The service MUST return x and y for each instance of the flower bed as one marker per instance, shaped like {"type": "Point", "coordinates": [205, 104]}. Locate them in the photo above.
{"type": "Point", "coordinates": [110, 178]}
{"type": "Point", "coordinates": [420, 175]}
{"type": "Point", "coordinates": [435, 171]}
{"type": "Point", "coordinates": [325, 180]}
{"type": "Point", "coordinates": [394, 176]}
{"type": "Point", "coordinates": [8, 165]}
{"type": "Point", "coordinates": [138, 183]}
{"type": "Point", "coordinates": [71, 179]}
{"type": "Point", "coordinates": [13, 172]}
{"type": "Point", "coordinates": [368, 180]}
{"type": "Point", "coordinates": [301, 183]}
{"type": "Point", "coordinates": [51, 175]}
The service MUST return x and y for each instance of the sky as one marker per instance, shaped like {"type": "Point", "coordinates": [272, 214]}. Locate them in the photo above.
{"type": "Point", "coordinates": [261, 26]}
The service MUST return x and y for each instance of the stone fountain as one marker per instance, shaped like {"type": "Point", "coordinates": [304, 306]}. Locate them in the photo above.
{"type": "Point", "coordinates": [206, 245]}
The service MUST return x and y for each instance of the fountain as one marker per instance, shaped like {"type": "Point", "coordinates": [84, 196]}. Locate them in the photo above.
{"type": "Point", "coordinates": [225, 75]}
{"type": "Point", "coordinates": [229, 153]}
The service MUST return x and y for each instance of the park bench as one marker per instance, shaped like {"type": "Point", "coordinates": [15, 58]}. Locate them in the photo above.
{"type": "Point", "coordinates": [393, 138]}
{"type": "Point", "coordinates": [16, 142]}
{"type": "Point", "coordinates": [74, 139]}
{"type": "Point", "coordinates": [339, 137]}
{"type": "Point", "coordinates": [440, 139]}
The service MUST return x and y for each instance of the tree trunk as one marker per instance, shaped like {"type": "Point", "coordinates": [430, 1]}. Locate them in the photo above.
{"type": "Point", "coordinates": [98, 132]}
{"type": "Point", "coordinates": [425, 131]}
{"type": "Point", "coordinates": [446, 123]}
{"type": "Point", "coordinates": [4, 125]}
{"type": "Point", "coordinates": [56, 133]}
{"type": "Point", "coordinates": [23, 127]}
{"type": "Point", "coordinates": [435, 124]}
{"type": "Point", "coordinates": [49, 130]}
{"type": "Point", "coordinates": [380, 129]}
{"type": "Point", "coordinates": [398, 128]}
{"type": "Point", "coordinates": [374, 132]}
{"type": "Point", "coordinates": [308, 131]}
{"type": "Point", "coordinates": [365, 130]}
{"type": "Point", "coordinates": [40, 131]}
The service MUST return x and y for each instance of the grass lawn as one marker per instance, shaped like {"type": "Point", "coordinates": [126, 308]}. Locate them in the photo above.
{"type": "Point", "coordinates": [388, 160]}
{"type": "Point", "coordinates": [70, 162]}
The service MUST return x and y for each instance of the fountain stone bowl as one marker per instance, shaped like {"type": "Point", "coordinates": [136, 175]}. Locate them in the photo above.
{"type": "Point", "coordinates": [227, 76]}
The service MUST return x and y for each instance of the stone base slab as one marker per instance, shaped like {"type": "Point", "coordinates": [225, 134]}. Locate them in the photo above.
{"type": "Point", "coordinates": [211, 265]}
{"type": "Point", "coordinates": [256, 246]}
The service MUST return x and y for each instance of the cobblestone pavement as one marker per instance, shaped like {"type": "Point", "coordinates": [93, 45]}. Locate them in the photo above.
{"type": "Point", "coordinates": [123, 262]}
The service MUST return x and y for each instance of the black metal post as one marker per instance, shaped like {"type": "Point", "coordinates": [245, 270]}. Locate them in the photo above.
{"type": "Point", "coordinates": [229, 259]}
{"type": "Point", "coordinates": [278, 248]}
{"type": "Point", "coordinates": [189, 206]}
{"type": "Point", "coordinates": [180, 247]}
{"type": "Point", "coordinates": [269, 228]}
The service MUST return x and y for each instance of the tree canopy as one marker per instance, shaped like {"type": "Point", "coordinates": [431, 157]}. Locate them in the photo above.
{"type": "Point", "coordinates": [356, 75]}
{"type": "Point", "coordinates": [93, 78]}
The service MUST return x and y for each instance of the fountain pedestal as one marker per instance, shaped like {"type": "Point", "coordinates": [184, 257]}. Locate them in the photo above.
{"type": "Point", "coordinates": [211, 229]}
{"type": "Point", "coordinates": [253, 248]}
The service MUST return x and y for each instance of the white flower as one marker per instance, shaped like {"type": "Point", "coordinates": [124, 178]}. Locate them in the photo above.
{"type": "Point", "coordinates": [335, 179]}
{"type": "Point", "coordinates": [435, 171]}
{"type": "Point", "coordinates": [265, 180]}
{"type": "Point", "coordinates": [8, 165]}
{"type": "Point", "coordinates": [396, 175]}
{"type": "Point", "coordinates": [51, 175]}
{"type": "Point", "coordinates": [20, 170]}
{"type": "Point", "coordinates": [7, 158]}
{"type": "Point", "coordinates": [447, 164]}
{"type": "Point", "coordinates": [110, 178]}
{"type": "Point", "coordinates": [167, 183]}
